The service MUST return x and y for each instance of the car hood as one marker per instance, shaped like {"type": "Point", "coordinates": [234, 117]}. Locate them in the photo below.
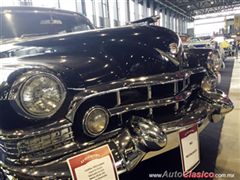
{"type": "Point", "coordinates": [11, 44]}
{"type": "Point", "coordinates": [95, 56]}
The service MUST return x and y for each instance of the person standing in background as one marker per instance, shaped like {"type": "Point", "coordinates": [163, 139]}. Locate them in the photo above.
{"type": "Point", "coordinates": [236, 42]}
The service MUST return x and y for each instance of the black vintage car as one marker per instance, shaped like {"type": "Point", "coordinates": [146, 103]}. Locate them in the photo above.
{"type": "Point", "coordinates": [68, 93]}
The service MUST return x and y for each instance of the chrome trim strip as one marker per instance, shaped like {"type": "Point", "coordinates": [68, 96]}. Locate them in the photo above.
{"type": "Point", "coordinates": [20, 135]}
{"type": "Point", "coordinates": [149, 89]}
{"type": "Point", "coordinates": [175, 92]}
{"type": "Point", "coordinates": [118, 98]}
{"type": "Point", "coordinates": [136, 83]}
{"type": "Point", "coordinates": [175, 88]}
{"type": "Point", "coordinates": [149, 104]}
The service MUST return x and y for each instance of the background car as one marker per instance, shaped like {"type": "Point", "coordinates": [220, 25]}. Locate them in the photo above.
{"type": "Point", "coordinates": [207, 46]}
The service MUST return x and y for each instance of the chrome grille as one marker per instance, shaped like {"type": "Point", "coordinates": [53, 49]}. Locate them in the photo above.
{"type": "Point", "coordinates": [114, 96]}
{"type": "Point", "coordinates": [139, 94]}
{"type": "Point", "coordinates": [39, 147]}
{"type": "Point", "coordinates": [45, 143]}
{"type": "Point", "coordinates": [151, 96]}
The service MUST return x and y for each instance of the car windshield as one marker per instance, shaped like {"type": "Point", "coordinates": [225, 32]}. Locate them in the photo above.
{"type": "Point", "coordinates": [27, 24]}
{"type": "Point", "coordinates": [194, 39]}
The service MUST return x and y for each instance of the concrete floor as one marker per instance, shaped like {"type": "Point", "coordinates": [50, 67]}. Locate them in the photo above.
{"type": "Point", "coordinates": [228, 159]}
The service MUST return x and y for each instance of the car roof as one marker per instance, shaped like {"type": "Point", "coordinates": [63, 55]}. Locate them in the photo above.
{"type": "Point", "coordinates": [34, 9]}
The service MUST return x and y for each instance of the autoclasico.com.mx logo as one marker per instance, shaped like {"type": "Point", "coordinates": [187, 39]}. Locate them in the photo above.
{"type": "Point", "coordinates": [202, 174]}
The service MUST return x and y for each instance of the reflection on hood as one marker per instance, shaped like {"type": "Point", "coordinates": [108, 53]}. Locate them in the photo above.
{"type": "Point", "coordinates": [10, 48]}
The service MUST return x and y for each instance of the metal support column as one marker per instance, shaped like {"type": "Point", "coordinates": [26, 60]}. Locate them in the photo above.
{"type": "Point", "coordinates": [178, 24]}
{"type": "Point", "coordinates": [76, 5]}
{"type": "Point", "coordinates": [59, 5]}
{"type": "Point", "coordinates": [181, 25]}
{"type": "Point", "coordinates": [175, 24]}
{"type": "Point", "coordinates": [158, 14]}
{"type": "Point", "coordinates": [127, 11]}
{"type": "Point", "coordinates": [183, 31]}
{"type": "Point", "coordinates": [136, 12]}
{"type": "Point", "coordinates": [82, 7]}
{"type": "Point", "coordinates": [144, 9]}
{"type": "Point", "coordinates": [163, 17]}
{"type": "Point", "coordinates": [168, 19]}
{"type": "Point", "coordinates": [184, 25]}
{"type": "Point", "coordinates": [116, 13]}
{"type": "Point", "coordinates": [107, 13]}
{"type": "Point", "coordinates": [152, 8]}
{"type": "Point", "coordinates": [25, 2]}
{"type": "Point", "coordinates": [172, 22]}
{"type": "Point", "coordinates": [101, 14]}
{"type": "Point", "coordinates": [84, 12]}
{"type": "Point", "coordinates": [94, 12]}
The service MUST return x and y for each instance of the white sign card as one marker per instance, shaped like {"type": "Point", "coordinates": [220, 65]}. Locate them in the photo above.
{"type": "Point", "coordinates": [96, 164]}
{"type": "Point", "coordinates": [189, 147]}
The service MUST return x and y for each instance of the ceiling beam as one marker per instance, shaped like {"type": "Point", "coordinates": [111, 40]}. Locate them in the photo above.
{"type": "Point", "coordinates": [175, 9]}
{"type": "Point", "coordinates": [195, 7]}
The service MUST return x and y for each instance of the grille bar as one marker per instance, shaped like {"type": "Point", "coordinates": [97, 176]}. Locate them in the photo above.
{"type": "Point", "coordinates": [149, 88]}
{"type": "Point", "coordinates": [149, 104]}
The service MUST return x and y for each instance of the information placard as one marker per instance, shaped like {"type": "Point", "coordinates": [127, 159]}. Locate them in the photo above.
{"type": "Point", "coordinates": [97, 164]}
{"type": "Point", "coordinates": [189, 147]}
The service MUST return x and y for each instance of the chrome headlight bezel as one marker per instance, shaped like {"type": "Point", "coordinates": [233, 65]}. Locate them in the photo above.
{"type": "Point", "coordinates": [214, 62]}
{"type": "Point", "coordinates": [20, 85]}
{"type": "Point", "coordinates": [208, 84]}
{"type": "Point", "coordinates": [174, 48]}
{"type": "Point", "coordinates": [86, 128]}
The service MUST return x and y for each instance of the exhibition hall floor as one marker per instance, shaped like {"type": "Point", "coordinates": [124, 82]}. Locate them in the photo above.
{"type": "Point", "coordinates": [219, 142]}
{"type": "Point", "coordinates": [228, 159]}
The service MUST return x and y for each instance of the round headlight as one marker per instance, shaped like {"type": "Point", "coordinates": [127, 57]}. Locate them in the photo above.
{"type": "Point", "coordinates": [173, 48]}
{"type": "Point", "coordinates": [41, 95]}
{"type": "Point", "coordinates": [95, 121]}
{"type": "Point", "coordinates": [214, 62]}
{"type": "Point", "coordinates": [208, 84]}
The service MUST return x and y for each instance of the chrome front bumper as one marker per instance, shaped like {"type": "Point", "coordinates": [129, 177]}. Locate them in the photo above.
{"type": "Point", "coordinates": [142, 139]}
